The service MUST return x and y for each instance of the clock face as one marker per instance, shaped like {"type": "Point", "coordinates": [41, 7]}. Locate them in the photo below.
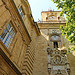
{"type": "Point", "coordinates": [52, 17]}
{"type": "Point", "coordinates": [55, 38]}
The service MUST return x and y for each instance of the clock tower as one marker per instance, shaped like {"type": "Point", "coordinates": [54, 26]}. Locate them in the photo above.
{"type": "Point", "coordinates": [51, 22]}
{"type": "Point", "coordinates": [50, 28]}
{"type": "Point", "coordinates": [51, 16]}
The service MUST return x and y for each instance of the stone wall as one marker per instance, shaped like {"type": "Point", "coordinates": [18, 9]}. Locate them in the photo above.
{"type": "Point", "coordinates": [5, 69]}
{"type": "Point", "coordinates": [71, 60]}
{"type": "Point", "coordinates": [18, 46]}
{"type": "Point", "coordinates": [22, 48]}
{"type": "Point", "coordinates": [27, 51]}
{"type": "Point", "coordinates": [29, 59]}
{"type": "Point", "coordinates": [40, 64]}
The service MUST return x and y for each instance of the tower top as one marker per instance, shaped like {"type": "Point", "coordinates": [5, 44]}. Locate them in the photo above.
{"type": "Point", "coordinates": [50, 11]}
{"type": "Point", "coordinates": [52, 16]}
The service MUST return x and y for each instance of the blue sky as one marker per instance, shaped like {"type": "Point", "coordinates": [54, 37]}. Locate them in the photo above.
{"type": "Point", "coordinates": [37, 6]}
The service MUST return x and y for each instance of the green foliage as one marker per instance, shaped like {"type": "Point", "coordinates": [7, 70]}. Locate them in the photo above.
{"type": "Point", "coordinates": [70, 50]}
{"type": "Point", "coordinates": [68, 8]}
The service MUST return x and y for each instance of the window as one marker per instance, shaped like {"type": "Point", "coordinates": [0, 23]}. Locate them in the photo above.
{"type": "Point", "coordinates": [7, 35]}
{"type": "Point", "coordinates": [55, 44]}
{"type": "Point", "coordinates": [21, 11]}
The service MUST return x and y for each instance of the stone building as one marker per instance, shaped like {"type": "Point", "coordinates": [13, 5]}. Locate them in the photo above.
{"type": "Point", "coordinates": [30, 48]}
{"type": "Point", "coordinates": [18, 33]}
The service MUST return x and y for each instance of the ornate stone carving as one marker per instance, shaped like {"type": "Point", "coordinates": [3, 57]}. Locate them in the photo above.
{"type": "Point", "coordinates": [58, 61]}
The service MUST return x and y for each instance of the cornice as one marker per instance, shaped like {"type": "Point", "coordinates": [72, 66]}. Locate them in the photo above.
{"type": "Point", "coordinates": [20, 19]}
{"type": "Point", "coordinates": [29, 15]}
{"type": "Point", "coordinates": [9, 62]}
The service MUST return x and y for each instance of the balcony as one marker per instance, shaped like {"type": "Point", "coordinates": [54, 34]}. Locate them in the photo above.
{"type": "Point", "coordinates": [64, 21]}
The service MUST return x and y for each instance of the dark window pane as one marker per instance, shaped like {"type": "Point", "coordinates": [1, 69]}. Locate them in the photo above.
{"type": "Point", "coordinates": [7, 41]}
{"type": "Point", "coordinates": [9, 26]}
{"type": "Point", "coordinates": [20, 11]}
{"type": "Point", "coordinates": [12, 32]}
{"type": "Point", "coordinates": [21, 14]}
{"type": "Point", "coordinates": [2, 36]}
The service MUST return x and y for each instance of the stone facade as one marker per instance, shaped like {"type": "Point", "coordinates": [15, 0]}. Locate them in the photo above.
{"type": "Point", "coordinates": [51, 37]}
{"type": "Point", "coordinates": [5, 68]}
{"type": "Point", "coordinates": [16, 21]}
{"type": "Point", "coordinates": [24, 43]}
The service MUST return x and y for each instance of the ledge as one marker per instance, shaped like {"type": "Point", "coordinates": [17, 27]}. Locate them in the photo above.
{"type": "Point", "coordinates": [20, 19]}
{"type": "Point", "coordinates": [9, 62]}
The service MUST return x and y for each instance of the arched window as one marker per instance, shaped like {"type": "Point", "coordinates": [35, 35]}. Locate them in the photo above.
{"type": "Point", "coordinates": [55, 39]}
{"type": "Point", "coordinates": [55, 44]}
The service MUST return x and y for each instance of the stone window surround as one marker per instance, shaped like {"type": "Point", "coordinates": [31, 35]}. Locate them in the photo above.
{"type": "Point", "coordinates": [21, 11]}
{"type": "Point", "coordinates": [10, 33]}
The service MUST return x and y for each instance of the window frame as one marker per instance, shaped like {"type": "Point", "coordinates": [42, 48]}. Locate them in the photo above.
{"type": "Point", "coordinates": [9, 36]}
{"type": "Point", "coordinates": [21, 11]}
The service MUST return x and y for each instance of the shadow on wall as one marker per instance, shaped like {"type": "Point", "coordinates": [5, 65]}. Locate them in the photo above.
{"type": "Point", "coordinates": [71, 59]}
